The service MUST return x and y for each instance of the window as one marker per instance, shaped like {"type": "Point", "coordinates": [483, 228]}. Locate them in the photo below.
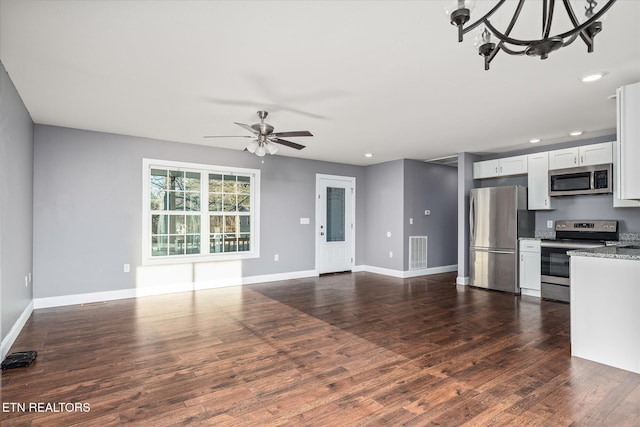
{"type": "Point", "coordinates": [198, 212]}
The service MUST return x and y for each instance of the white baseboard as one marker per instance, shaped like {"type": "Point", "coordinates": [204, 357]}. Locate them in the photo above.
{"type": "Point", "coordinates": [8, 341]}
{"type": "Point", "coordinates": [463, 280]}
{"type": "Point", "coordinates": [530, 292]}
{"type": "Point", "coordinates": [410, 273]}
{"type": "Point", "coordinates": [87, 298]}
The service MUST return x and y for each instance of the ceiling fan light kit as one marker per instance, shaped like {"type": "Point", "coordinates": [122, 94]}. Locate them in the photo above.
{"type": "Point", "coordinates": [460, 14]}
{"type": "Point", "coordinates": [266, 138]}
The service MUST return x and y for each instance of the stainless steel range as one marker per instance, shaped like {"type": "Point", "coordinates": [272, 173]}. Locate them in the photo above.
{"type": "Point", "coordinates": [570, 235]}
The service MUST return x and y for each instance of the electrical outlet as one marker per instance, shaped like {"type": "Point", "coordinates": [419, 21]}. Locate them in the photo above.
{"type": "Point", "coordinates": [390, 254]}
{"type": "Point", "coordinates": [410, 221]}
{"type": "Point", "coordinates": [26, 281]}
{"type": "Point", "coordinates": [427, 212]}
{"type": "Point", "coordinates": [550, 224]}
{"type": "Point", "coordinates": [276, 257]}
{"type": "Point", "coordinates": [127, 268]}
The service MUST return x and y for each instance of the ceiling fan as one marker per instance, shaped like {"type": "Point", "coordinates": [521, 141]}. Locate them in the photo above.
{"type": "Point", "coordinates": [265, 136]}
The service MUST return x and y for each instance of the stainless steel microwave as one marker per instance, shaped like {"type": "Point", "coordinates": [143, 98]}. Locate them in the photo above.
{"type": "Point", "coordinates": [581, 180]}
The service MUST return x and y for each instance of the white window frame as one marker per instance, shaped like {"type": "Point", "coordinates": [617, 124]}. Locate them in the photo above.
{"type": "Point", "coordinates": [205, 170]}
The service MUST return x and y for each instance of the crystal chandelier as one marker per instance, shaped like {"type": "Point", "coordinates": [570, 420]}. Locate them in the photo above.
{"type": "Point", "coordinates": [460, 14]}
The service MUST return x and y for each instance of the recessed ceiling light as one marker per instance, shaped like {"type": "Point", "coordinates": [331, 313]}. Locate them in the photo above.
{"type": "Point", "coordinates": [368, 154]}
{"type": "Point", "coordinates": [576, 133]}
{"type": "Point", "coordinates": [534, 140]}
{"type": "Point", "coordinates": [593, 77]}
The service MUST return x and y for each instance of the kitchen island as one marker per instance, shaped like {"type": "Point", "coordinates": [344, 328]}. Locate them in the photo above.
{"type": "Point", "coordinates": [605, 305]}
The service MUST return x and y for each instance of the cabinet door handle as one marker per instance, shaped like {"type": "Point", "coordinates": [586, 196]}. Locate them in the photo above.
{"type": "Point", "coordinates": [582, 159]}
{"type": "Point", "coordinates": [575, 160]}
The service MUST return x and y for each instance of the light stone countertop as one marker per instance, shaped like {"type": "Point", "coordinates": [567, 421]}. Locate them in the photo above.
{"type": "Point", "coordinates": [613, 252]}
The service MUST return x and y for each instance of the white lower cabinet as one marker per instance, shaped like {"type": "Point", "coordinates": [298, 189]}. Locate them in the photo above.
{"type": "Point", "coordinates": [530, 267]}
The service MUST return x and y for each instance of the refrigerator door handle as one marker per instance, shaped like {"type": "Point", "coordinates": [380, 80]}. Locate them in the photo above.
{"type": "Point", "coordinates": [501, 252]}
{"type": "Point", "coordinates": [472, 227]}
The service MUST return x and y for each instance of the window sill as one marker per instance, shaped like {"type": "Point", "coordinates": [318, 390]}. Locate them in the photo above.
{"type": "Point", "coordinates": [194, 259]}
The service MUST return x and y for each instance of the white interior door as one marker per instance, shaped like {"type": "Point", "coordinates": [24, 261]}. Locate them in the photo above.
{"type": "Point", "coordinates": [335, 227]}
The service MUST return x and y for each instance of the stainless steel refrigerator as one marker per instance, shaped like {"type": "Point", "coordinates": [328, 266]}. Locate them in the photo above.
{"type": "Point", "coordinates": [498, 216]}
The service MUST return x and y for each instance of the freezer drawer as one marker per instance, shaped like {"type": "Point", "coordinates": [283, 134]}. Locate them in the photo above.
{"type": "Point", "coordinates": [494, 269]}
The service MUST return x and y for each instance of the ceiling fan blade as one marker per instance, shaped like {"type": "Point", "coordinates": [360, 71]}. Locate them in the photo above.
{"type": "Point", "coordinates": [227, 136]}
{"type": "Point", "coordinates": [247, 127]}
{"type": "Point", "coordinates": [295, 133]}
{"type": "Point", "coordinates": [287, 143]}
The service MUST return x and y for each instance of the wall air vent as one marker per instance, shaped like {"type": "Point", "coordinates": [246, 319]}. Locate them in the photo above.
{"type": "Point", "coordinates": [417, 252]}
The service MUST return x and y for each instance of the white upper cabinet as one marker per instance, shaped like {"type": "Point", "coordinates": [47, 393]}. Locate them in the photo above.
{"type": "Point", "coordinates": [628, 152]}
{"type": "Point", "coordinates": [538, 181]}
{"type": "Point", "coordinates": [594, 154]}
{"type": "Point", "coordinates": [516, 165]}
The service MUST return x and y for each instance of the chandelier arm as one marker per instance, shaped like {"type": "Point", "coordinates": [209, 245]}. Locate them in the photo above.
{"type": "Point", "coordinates": [471, 27]}
{"type": "Point", "coordinates": [571, 39]}
{"type": "Point", "coordinates": [516, 15]}
{"type": "Point", "coordinates": [574, 21]}
{"type": "Point", "coordinates": [505, 38]}
{"type": "Point", "coordinates": [586, 23]}
{"type": "Point", "coordinates": [547, 17]}
{"type": "Point", "coordinates": [510, 51]}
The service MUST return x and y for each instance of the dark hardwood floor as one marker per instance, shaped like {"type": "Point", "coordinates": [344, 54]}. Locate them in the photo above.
{"type": "Point", "coordinates": [339, 350]}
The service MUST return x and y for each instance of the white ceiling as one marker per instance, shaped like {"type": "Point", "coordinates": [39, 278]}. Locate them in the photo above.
{"type": "Point", "coordinates": [386, 77]}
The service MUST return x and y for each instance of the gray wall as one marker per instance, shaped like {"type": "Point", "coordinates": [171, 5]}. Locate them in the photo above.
{"type": "Point", "coordinates": [16, 203]}
{"type": "Point", "coordinates": [88, 198]}
{"type": "Point", "coordinates": [465, 184]}
{"type": "Point", "coordinates": [384, 204]}
{"type": "Point", "coordinates": [433, 187]}
{"type": "Point", "coordinates": [590, 207]}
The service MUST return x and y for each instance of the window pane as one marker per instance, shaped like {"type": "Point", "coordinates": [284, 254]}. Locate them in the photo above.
{"type": "Point", "coordinates": [215, 243]}
{"type": "Point", "coordinates": [245, 223]}
{"type": "Point", "coordinates": [176, 245]}
{"type": "Point", "coordinates": [215, 183]}
{"type": "Point", "coordinates": [244, 243]}
{"type": "Point", "coordinates": [176, 224]}
{"type": "Point", "coordinates": [159, 224]}
{"type": "Point", "coordinates": [244, 202]}
{"type": "Point", "coordinates": [230, 224]}
{"type": "Point", "coordinates": [215, 202]}
{"type": "Point", "coordinates": [192, 201]}
{"type": "Point", "coordinates": [230, 243]}
{"type": "Point", "coordinates": [176, 201]}
{"type": "Point", "coordinates": [335, 214]}
{"type": "Point", "coordinates": [215, 224]}
{"type": "Point", "coordinates": [229, 184]}
{"type": "Point", "coordinates": [158, 199]}
{"type": "Point", "coordinates": [229, 203]}
{"type": "Point", "coordinates": [192, 181]}
{"type": "Point", "coordinates": [176, 180]}
{"type": "Point", "coordinates": [193, 244]}
{"type": "Point", "coordinates": [193, 224]}
{"type": "Point", "coordinates": [159, 246]}
{"type": "Point", "coordinates": [158, 180]}
{"type": "Point", "coordinates": [244, 184]}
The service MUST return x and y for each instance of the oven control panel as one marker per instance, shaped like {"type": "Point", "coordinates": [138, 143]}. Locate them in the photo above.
{"type": "Point", "coordinates": [582, 226]}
